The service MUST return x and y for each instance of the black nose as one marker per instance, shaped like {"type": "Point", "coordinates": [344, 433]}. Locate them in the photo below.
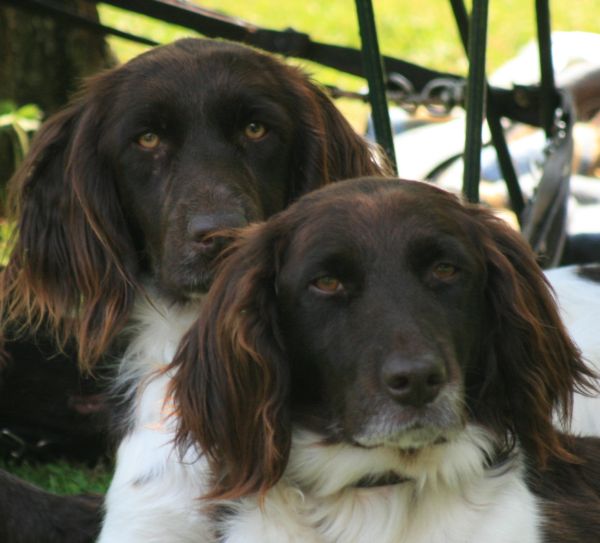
{"type": "Point", "coordinates": [202, 229]}
{"type": "Point", "coordinates": [413, 381]}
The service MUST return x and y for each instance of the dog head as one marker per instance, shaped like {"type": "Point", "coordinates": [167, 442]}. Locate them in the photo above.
{"type": "Point", "coordinates": [376, 313]}
{"type": "Point", "coordinates": [125, 186]}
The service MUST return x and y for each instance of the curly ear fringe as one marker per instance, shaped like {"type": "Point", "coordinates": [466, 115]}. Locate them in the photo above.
{"type": "Point", "coordinates": [68, 269]}
{"type": "Point", "coordinates": [532, 365]}
{"type": "Point", "coordinates": [231, 379]}
{"type": "Point", "coordinates": [65, 273]}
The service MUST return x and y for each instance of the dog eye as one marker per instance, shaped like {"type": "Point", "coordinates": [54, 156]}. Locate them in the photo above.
{"type": "Point", "coordinates": [328, 284]}
{"type": "Point", "coordinates": [444, 271]}
{"type": "Point", "coordinates": [149, 140]}
{"type": "Point", "coordinates": [255, 131]}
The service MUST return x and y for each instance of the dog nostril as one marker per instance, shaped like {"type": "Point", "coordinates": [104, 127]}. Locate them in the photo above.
{"type": "Point", "coordinates": [413, 382]}
{"type": "Point", "coordinates": [398, 383]}
{"type": "Point", "coordinates": [205, 241]}
{"type": "Point", "coordinates": [204, 238]}
{"type": "Point", "coordinates": [203, 230]}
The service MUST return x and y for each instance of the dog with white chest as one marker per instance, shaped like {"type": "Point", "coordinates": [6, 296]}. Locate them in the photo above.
{"type": "Point", "coordinates": [116, 207]}
{"type": "Point", "coordinates": [382, 363]}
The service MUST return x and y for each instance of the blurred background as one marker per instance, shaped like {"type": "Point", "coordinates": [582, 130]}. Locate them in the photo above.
{"type": "Point", "coordinates": [421, 32]}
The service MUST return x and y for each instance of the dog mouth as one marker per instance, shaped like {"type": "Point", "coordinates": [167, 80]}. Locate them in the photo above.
{"type": "Point", "coordinates": [410, 429]}
{"type": "Point", "coordinates": [185, 270]}
{"type": "Point", "coordinates": [196, 288]}
{"type": "Point", "coordinates": [407, 439]}
{"type": "Point", "coordinates": [186, 282]}
{"type": "Point", "coordinates": [199, 284]}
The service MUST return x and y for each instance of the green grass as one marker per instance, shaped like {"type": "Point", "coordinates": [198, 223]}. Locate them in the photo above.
{"type": "Point", "coordinates": [423, 33]}
{"type": "Point", "coordinates": [62, 477]}
{"type": "Point", "coordinates": [5, 232]}
{"type": "Point", "coordinates": [419, 32]}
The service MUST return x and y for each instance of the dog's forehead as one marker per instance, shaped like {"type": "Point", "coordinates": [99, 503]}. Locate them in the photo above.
{"type": "Point", "coordinates": [379, 208]}
{"type": "Point", "coordinates": [374, 224]}
{"type": "Point", "coordinates": [200, 64]}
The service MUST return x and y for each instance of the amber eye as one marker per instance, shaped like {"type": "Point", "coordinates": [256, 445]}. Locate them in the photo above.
{"type": "Point", "coordinates": [444, 271]}
{"type": "Point", "coordinates": [255, 131]}
{"type": "Point", "coordinates": [149, 140]}
{"type": "Point", "coordinates": [328, 284]}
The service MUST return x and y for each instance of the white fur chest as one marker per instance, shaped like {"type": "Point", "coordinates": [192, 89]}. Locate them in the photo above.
{"type": "Point", "coordinates": [578, 301]}
{"type": "Point", "coordinates": [153, 495]}
{"type": "Point", "coordinates": [460, 505]}
{"type": "Point", "coordinates": [448, 497]}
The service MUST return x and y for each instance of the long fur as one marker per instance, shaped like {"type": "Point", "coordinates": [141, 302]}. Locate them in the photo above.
{"type": "Point", "coordinates": [152, 496]}
{"type": "Point", "coordinates": [242, 382]}
{"type": "Point", "coordinates": [75, 262]}
{"type": "Point", "coordinates": [444, 501]}
{"type": "Point", "coordinates": [112, 242]}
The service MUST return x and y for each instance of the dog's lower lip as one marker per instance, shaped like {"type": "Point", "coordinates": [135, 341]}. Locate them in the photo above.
{"type": "Point", "coordinates": [439, 441]}
{"type": "Point", "coordinates": [194, 291]}
{"type": "Point", "coordinates": [187, 291]}
{"type": "Point", "coordinates": [195, 294]}
{"type": "Point", "coordinates": [414, 436]}
{"type": "Point", "coordinates": [435, 442]}
{"type": "Point", "coordinates": [192, 286]}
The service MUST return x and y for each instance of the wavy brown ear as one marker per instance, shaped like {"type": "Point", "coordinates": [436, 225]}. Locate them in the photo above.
{"type": "Point", "coordinates": [530, 366]}
{"type": "Point", "coordinates": [328, 148]}
{"type": "Point", "coordinates": [231, 377]}
{"type": "Point", "coordinates": [67, 268]}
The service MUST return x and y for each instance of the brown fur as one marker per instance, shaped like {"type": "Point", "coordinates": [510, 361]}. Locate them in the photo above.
{"type": "Point", "coordinates": [86, 201]}
{"type": "Point", "coordinates": [253, 364]}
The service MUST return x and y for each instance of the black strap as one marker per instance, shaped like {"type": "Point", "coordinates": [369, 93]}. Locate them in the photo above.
{"type": "Point", "coordinates": [545, 217]}
{"type": "Point", "coordinates": [550, 98]}
{"type": "Point", "coordinates": [288, 42]}
{"type": "Point", "coordinates": [376, 77]}
{"type": "Point", "coordinates": [520, 104]}
{"type": "Point", "coordinates": [494, 123]}
{"type": "Point", "coordinates": [476, 95]}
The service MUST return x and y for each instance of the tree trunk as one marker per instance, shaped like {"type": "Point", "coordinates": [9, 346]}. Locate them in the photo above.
{"type": "Point", "coordinates": [42, 61]}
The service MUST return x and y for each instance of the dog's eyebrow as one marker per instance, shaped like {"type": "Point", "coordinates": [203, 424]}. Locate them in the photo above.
{"type": "Point", "coordinates": [249, 104]}
{"type": "Point", "coordinates": [434, 244]}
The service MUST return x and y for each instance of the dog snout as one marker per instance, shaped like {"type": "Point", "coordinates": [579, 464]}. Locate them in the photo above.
{"type": "Point", "coordinates": [203, 229]}
{"type": "Point", "coordinates": [414, 381]}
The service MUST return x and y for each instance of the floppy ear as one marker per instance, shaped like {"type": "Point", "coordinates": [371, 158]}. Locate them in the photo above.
{"type": "Point", "coordinates": [66, 268]}
{"type": "Point", "coordinates": [328, 149]}
{"type": "Point", "coordinates": [529, 365]}
{"type": "Point", "coordinates": [231, 379]}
